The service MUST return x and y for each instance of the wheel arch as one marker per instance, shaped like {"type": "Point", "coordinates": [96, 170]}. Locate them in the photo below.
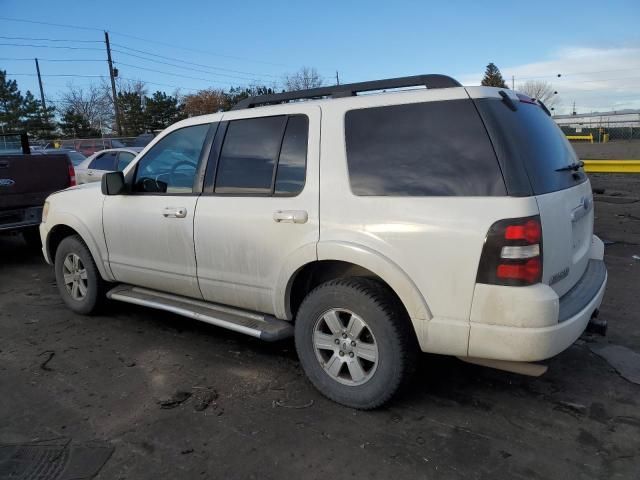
{"type": "Point", "coordinates": [72, 226]}
{"type": "Point", "coordinates": [343, 259]}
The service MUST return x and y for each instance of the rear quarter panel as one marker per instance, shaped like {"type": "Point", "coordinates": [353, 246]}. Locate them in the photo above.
{"type": "Point", "coordinates": [435, 241]}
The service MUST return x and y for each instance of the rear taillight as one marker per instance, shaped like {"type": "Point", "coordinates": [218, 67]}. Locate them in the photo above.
{"type": "Point", "coordinates": [72, 175]}
{"type": "Point", "coordinates": [512, 253]}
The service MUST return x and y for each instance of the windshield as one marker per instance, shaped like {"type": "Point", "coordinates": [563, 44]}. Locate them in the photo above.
{"type": "Point", "coordinates": [530, 138]}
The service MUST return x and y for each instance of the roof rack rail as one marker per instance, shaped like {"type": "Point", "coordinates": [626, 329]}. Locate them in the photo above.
{"type": "Point", "coordinates": [350, 89]}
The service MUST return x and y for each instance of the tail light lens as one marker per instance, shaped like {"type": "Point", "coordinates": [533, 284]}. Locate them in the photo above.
{"type": "Point", "coordinates": [72, 175]}
{"type": "Point", "coordinates": [512, 253]}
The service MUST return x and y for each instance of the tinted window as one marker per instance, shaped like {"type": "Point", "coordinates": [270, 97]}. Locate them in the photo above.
{"type": "Point", "coordinates": [422, 149]}
{"type": "Point", "coordinates": [170, 166]}
{"type": "Point", "coordinates": [529, 143]}
{"type": "Point", "coordinates": [248, 156]}
{"type": "Point", "coordinates": [104, 161]}
{"type": "Point", "coordinates": [124, 159]}
{"type": "Point", "coordinates": [293, 157]}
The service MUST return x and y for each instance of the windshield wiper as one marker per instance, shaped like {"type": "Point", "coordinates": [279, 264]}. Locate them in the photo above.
{"type": "Point", "coordinates": [574, 166]}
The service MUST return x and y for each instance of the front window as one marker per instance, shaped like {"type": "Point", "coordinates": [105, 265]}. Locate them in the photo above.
{"type": "Point", "coordinates": [170, 166]}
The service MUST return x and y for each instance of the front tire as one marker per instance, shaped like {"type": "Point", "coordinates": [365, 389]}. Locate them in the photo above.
{"type": "Point", "coordinates": [78, 279]}
{"type": "Point", "coordinates": [355, 342]}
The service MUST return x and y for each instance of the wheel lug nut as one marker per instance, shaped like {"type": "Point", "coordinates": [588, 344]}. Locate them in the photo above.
{"type": "Point", "coordinates": [353, 343]}
{"type": "Point", "coordinates": [344, 335]}
{"type": "Point", "coordinates": [336, 341]}
{"type": "Point", "coordinates": [351, 354]}
{"type": "Point", "coordinates": [341, 353]}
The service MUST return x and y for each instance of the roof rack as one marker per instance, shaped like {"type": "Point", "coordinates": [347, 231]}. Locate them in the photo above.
{"type": "Point", "coordinates": [350, 89]}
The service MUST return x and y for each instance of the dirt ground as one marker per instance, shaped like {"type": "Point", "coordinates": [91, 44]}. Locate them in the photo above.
{"type": "Point", "coordinates": [142, 394]}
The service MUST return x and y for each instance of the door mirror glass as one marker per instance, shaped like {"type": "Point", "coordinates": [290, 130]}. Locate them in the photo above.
{"type": "Point", "coordinates": [113, 183]}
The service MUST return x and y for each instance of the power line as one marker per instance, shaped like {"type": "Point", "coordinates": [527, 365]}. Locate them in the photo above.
{"type": "Point", "coordinates": [50, 39]}
{"type": "Point", "coordinates": [9, 19]}
{"type": "Point", "coordinates": [51, 59]}
{"type": "Point", "coordinates": [173, 74]}
{"type": "Point", "coordinates": [55, 75]}
{"type": "Point", "coordinates": [189, 63]}
{"type": "Point", "coordinates": [184, 67]}
{"type": "Point", "coordinates": [49, 46]}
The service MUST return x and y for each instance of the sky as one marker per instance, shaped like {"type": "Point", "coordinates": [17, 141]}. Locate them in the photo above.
{"type": "Point", "coordinates": [194, 44]}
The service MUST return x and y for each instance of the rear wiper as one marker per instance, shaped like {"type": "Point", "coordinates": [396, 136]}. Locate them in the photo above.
{"type": "Point", "coordinates": [574, 166]}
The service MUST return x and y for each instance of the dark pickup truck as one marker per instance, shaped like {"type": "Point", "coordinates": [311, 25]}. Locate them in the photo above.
{"type": "Point", "coordinates": [26, 180]}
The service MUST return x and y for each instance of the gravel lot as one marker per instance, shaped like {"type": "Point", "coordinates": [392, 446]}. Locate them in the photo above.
{"type": "Point", "coordinates": [140, 394]}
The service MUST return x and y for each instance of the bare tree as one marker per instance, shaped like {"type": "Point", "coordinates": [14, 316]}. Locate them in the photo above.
{"type": "Point", "coordinates": [91, 103]}
{"type": "Point", "coordinates": [540, 90]}
{"type": "Point", "coordinates": [303, 79]}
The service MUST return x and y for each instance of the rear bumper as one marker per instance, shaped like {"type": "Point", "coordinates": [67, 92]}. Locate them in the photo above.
{"type": "Point", "coordinates": [19, 218]}
{"type": "Point", "coordinates": [526, 344]}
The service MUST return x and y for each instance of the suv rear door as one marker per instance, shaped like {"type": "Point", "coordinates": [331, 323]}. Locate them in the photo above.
{"type": "Point", "coordinates": [259, 210]}
{"type": "Point", "coordinates": [528, 140]}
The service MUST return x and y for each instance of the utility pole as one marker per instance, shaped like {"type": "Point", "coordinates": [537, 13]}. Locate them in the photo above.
{"type": "Point", "coordinates": [513, 82]}
{"type": "Point", "coordinates": [337, 78]}
{"type": "Point", "coordinates": [113, 84]}
{"type": "Point", "coordinates": [44, 105]}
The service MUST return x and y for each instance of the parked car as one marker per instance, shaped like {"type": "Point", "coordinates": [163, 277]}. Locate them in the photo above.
{"type": "Point", "coordinates": [89, 146]}
{"type": "Point", "coordinates": [26, 179]}
{"type": "Point", "coordinates": [452, 220]}
{"type": "Point", "coordinates": [115, 159]}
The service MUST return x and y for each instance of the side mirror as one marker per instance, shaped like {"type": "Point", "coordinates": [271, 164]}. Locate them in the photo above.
{"type": "Point", "coordinates": [113, 183]}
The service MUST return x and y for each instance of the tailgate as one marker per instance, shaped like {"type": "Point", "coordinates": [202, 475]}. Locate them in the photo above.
{"type": "Point", "coordinates": [26, 180]}
{"type": "Point", "coordinates": [567, 228]}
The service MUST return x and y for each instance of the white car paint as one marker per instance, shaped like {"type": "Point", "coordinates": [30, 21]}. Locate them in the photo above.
{"type": "Point", "coordinates": [425, 248]}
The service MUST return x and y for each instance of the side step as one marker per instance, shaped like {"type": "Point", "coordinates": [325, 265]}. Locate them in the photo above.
{"type": "Point", "coordinates": [264, 327]}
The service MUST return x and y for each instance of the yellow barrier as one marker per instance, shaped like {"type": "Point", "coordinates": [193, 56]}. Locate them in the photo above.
{"type": "Point", "coordinates": [581, 137]}
{"type": "Point", "coordinates": [612, 166]}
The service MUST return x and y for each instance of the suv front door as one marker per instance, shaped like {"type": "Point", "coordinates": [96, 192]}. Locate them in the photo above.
{"type": "Point", "coordinates": [149, 232]}
{"type": "Point", "coordinates": [259, 212]}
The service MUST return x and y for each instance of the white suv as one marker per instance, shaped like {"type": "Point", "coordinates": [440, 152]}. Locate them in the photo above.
{"type": "Point", "coordinates": [444, 219]}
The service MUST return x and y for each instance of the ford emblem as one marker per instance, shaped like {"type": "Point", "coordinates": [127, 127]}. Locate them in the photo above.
{"type": "Point", "coordinates": [6, 182]}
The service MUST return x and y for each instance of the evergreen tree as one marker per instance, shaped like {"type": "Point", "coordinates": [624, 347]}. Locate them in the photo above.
{"type": "Point", "coordinates": [74, 124]}
{"type": "Point", "coordinates": [161, 110]}
{"type": "Point", "coordinates": [131, 113]}
{"type": "Point", "coordinates": [34, 120]}
{"type": "Point", "coordinates": [493, 77]}
{"type": "Point", "coordinates": [11, 102]}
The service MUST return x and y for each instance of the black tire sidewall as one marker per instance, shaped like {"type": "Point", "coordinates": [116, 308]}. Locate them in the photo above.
{"type": "Point", "coordinates": [390, 370]}
{"type": "Point", "coordinates": [90, 302]}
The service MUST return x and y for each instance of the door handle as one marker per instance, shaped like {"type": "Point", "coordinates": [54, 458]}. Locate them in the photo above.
{"type": "Point", "coordinates": [290, 216]}
{"type": "Point", "coordinates": [174, 212]}
{"type": "Point", "coordinates": [90, 173]}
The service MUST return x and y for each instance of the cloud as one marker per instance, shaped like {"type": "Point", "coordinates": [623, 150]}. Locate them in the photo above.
{"type": "Point", "coordinates": [597, 79]}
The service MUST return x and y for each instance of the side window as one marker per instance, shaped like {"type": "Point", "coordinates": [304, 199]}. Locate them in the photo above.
{"type": "Point", "coordinates": [249, 154]}
{"type": "Point", "coordinates": [170, 166]}
{"type": "Point", "coordinates": [292, 164]}
{"type": "Point", "coordinates": [105, 161]}
{"type": "Point", "coordinates": [421, 149]}
{"type": "Point", "coordinates": [124, 159]}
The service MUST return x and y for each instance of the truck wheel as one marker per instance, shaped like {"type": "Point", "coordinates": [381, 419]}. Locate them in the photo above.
{"type": "Point", "coordinates": [79, 281]}
{"type": "Point", "coordinates": [31, 237]}
{"type": "Point", "coordinates": [355, 342]}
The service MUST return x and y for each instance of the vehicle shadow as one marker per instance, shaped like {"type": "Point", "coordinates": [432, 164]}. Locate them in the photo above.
{"type": "Point", "coordinates": [14, 251]}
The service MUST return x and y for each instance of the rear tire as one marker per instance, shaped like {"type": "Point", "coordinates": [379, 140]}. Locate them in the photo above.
{"type": "Point", "coordinates": [79, 281]}
{"type": "Point", "coordinates": [355, 342]}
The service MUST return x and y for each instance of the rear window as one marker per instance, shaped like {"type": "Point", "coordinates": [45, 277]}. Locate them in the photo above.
{"type": "Point", "coordinates": [528, 139]}
{"type": "Point", "coordinates": [421, 149]}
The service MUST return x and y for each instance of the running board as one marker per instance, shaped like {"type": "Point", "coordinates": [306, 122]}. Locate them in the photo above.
{"type": "Point", "coordinates": [264, 327]}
